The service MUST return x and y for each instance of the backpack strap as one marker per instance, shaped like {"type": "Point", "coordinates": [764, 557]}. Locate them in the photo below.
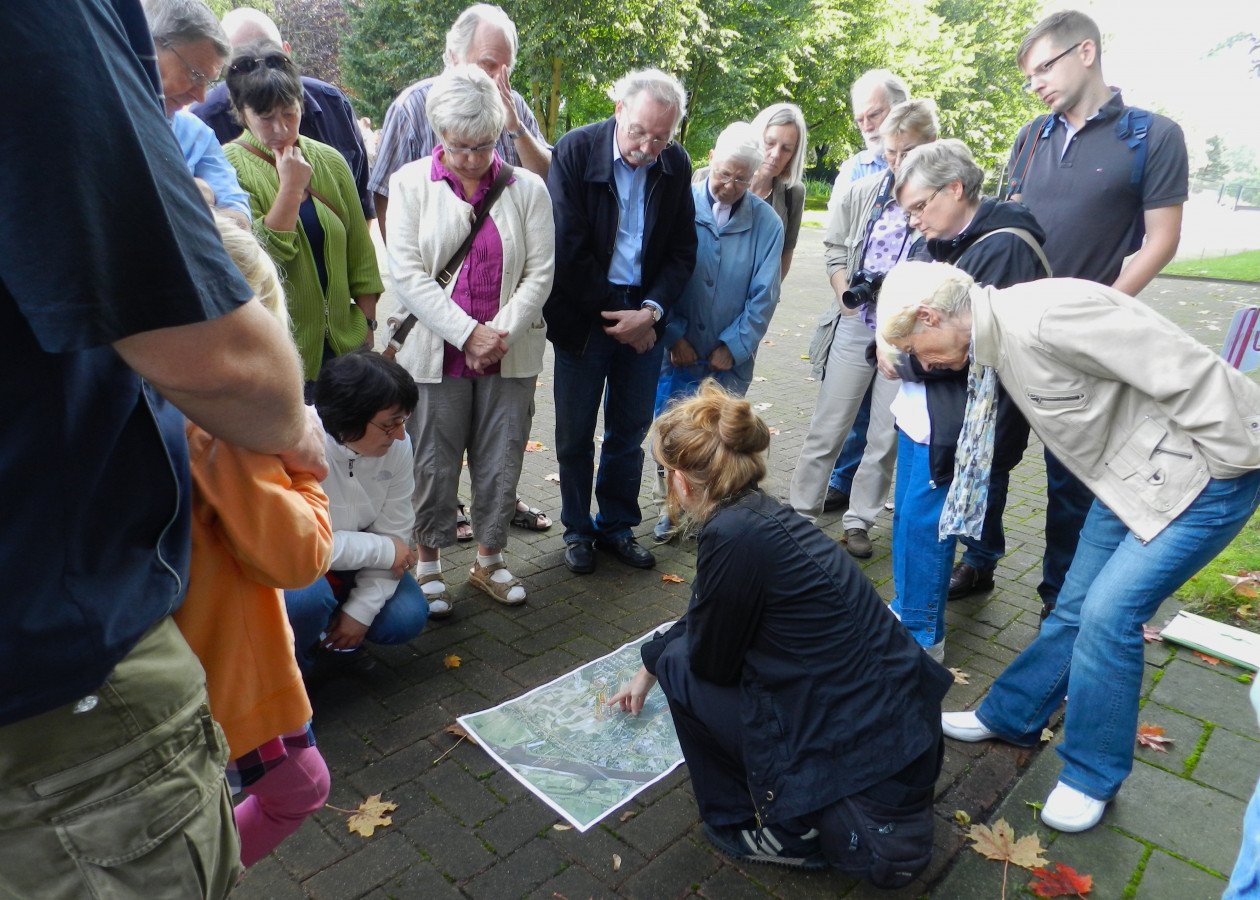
{"type": "Point", "coordinates": [1131, 128]}
{"type": "Point", "coordinates": [1038, 131]}
{"type": "Point", "coordinates": [1024, 235]}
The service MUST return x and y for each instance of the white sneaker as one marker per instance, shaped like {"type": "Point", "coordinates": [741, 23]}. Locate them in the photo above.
{"type": "Point", "coordinates": [936, 651]}
{"type": "Point", "coordinates": [1067, 809]}
{"type": "Point", "coordinates": [965, 726]}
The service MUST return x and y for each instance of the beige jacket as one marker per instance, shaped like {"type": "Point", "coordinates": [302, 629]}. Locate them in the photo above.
{"type": "Point", "coordinates": [1138, 410]}
{"type": "Point", "coordinates": [426, 225]}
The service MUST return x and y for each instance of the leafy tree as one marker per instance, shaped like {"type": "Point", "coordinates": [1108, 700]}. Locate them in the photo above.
{"type": "Point", "coordinates": [1215, 169]}
{"type": "Point", "coordinates": [220, 8]}
{"type": "Point", "coordinates": [313, 28]}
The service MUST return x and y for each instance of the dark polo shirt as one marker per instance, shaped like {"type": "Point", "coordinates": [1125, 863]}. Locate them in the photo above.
{"type": "Point", "coordinates": [1085, 199]}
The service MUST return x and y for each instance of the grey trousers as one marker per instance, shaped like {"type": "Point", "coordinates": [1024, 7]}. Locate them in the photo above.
{"type": "Point", "coordinates": [488, 418]}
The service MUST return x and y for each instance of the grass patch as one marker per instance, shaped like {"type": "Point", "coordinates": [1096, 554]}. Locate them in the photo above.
{"type": "Point", "coordinates": [1208, 594]}
{"type": "Point", "coordinates": [817, 192]}
{"type": "Point", "coordinates": [1236, 267]}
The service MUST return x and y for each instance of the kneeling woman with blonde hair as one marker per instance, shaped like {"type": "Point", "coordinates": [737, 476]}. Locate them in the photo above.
{"type": "Point", "coordinates": [806, 712]}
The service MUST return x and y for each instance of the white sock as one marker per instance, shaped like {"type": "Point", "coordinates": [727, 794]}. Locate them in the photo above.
{"type": "Point", "coordinates": [501, 576]}
{"type": "Point", "coordinates": [433, 567]}
{"type": "Point", "coordinates": [487, 561]}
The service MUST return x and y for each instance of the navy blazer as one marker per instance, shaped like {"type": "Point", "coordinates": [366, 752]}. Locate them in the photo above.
{"type": "Point", "coordinates": [584, 204]}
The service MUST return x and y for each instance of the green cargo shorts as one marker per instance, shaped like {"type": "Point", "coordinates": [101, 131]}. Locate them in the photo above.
{"type": "Point", "coordinates": [122, 793]}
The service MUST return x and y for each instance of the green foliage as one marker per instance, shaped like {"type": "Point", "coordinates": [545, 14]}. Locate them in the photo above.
{"type": "Point", "coordinates": [220, 8]}
{"type": "Point", "coordinates": [388, 45]}
{"type": "Point", "coordinates": [1215, 169]}
{"type": "Point", "coordinates": [1208, 594]}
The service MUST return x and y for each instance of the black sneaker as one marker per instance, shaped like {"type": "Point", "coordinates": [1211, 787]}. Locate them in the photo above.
{"type": "Point", "coordinates": [835, 499]}
{"type": "Point", "coordinates": [764, 845]}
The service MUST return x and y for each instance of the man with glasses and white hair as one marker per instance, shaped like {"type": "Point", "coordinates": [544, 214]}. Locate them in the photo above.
{"type": "Point", "coordinates": [1097, 174]}
{"type": "Point", "coordinates": [191, 50]}
{"type": "Point", "coordinates": [485, 37]}
{"type": "Point", "coordinates": [625, 248]}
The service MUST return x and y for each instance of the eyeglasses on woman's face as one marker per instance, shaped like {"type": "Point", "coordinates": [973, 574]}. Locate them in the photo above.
{"type": "Point", "coordinates": [915, 211]}
{"type": "Point", "coordinates": [393, 428]}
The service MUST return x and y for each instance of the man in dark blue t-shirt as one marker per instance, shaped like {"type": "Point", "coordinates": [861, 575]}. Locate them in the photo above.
{"type": "Point", "coordinates": [120, 309]}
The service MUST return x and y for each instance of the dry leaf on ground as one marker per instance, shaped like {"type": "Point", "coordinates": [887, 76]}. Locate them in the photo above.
{"type": "Point", "coordinates": [961, 817]}
{"type": "Point", "coordinates": [1210, 660]}
{"type": "Point", "coordinates": [616, 863]}
{"type": "Point", "coordinates": [768, 343]}
{"type": "Point", "coordinates": [1152, 736]}
{"type": "Point", "coordinates": [673, 579]}
{"type": "Point", "coordinates": [1000, 843]}
{"type": "Point", "coordinates": [1046, 735]}
{"type": "Point", "coordinates": [560, 826]}
{"type": "Point", "coordinates": [1150, 634]}
{"type": "Point", "coordinates": [960, 677]}
{"type": "Point", "coordinates": [774, 431]}
{"type": "Point", "coordinates": [371, 815]}
{"type": "Point", "coordinates": [452, 661]}
{"type": "Point", "coordinates": [534, 446]}
{"type": "Point", "coordinates": [628, 815]}
{"type": "Point", "coordinates": [554, 478]}
{"type": "Point", "coordinates": [759, 378]}
{"type": "Point", "coordinates": [762, 407]}
{"type": "Point", "coordinates": [1060, 881]}
{"type": "Point", "coordinates": [1245, 584]}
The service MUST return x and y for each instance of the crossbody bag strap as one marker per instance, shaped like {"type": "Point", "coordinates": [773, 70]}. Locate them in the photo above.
{"type": "Point", "coordinates": [448, 271]}
{"type": "Point", "coordinates": [1040, 128]}
{"type": "Point", "coordinates": [1026, 236]}
{"type": "Point", "coordinates": [310, 190]}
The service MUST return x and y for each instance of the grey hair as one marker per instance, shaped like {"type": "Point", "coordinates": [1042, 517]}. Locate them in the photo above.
{"type": "Point", "coordinates": [459, 39]}
{"type": "Point", "coordinates": [786, 114]}
{"type": "Point", "coordinates": [910, 285]}
{"type": "Point", "coordinates": [911, 116]}
{"type": "Point", "coordinates": [182, 22]}
{"type": "Point", "coordinates": [464, 102]}
{"type": "Point", "coordinates": [661, 87]}
{"type": "Point", "coordinates": [1066, 27]}
{"type": "Point", "coordinates": [940, 163]}
{"type": "Point", "coordinates": [244, 25]}
{"type": "Point", "coordinates": [895, 89]}
{"type": "Point", "coordinates": [739, 142]}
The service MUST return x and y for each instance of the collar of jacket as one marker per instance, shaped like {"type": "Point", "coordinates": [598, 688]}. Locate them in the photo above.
{"type": "Point", "coordinates": [741, 215]}
{"type": "Point", "coordinates": [984, 331]}
{"type": "Point", "coordinates": [599, 163]}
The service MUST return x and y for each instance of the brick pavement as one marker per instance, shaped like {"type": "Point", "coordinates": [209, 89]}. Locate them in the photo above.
{"type": "Point", "coordinates": [463, 827]}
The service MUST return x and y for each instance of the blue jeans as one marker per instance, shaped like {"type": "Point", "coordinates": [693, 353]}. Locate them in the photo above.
{"type": "Point", "coordinates": [580, 382]}
{"type": "Point", "coordinates": [854, 446]}
{"type": "Point", "coordinates": [677, 382]}
{"type": "Point", "coordinates": [399, 620]}
{"type": "Point", "coordinates": [1068, 502]}
{"type": "Point", "coordinates": [1244, 884]}
{"type": "Point", "coordinates": [921, 562]}
{"type": "Point", "coordinates": [1090, 648]}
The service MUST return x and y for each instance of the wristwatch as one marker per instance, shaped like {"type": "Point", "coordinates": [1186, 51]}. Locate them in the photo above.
{"type": "Point", "coordinates": [515, 134]}
{"type": "Point", "coordinates": [656, 311]}
{"type": "Point", "coordinates": [371, 324]}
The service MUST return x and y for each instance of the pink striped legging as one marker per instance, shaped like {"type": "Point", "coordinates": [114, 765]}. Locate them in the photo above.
{"type": "Point", "coordinates": [280, 801]}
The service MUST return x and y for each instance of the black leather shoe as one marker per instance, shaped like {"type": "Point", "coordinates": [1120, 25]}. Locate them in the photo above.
{"type": "Point", "coordinates": [579, 557]}
{"type": "Point", "coordinates": [966, 580]}
{"type": "Point", "coordinates": [836, 499]}
{"type": "Point", "coordinates": [629, 552]}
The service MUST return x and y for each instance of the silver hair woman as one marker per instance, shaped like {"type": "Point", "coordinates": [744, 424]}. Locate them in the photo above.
{"type": "Point", "coordinates": [867, 236]}
{"type": "Point", "coordinates": [477, 346]}
{"type": "Point", "coordinates": [778, 180]}
{"type": "Point", "coordinates": [1169, 450]}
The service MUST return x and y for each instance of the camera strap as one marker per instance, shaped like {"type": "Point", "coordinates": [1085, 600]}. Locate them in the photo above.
{"type": "Point", "coordinates": [882, 199]}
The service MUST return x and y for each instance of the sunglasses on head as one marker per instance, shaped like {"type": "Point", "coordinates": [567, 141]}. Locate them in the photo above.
{"type": "Point", "coordinates": [250, 63]}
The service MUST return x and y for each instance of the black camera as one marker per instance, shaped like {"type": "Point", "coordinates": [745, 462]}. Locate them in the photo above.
{"type": "Point", "coordinates": [864, 288]}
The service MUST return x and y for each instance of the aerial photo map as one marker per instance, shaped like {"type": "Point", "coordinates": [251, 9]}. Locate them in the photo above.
{"type": "Point", "coordinates": [581, 756]}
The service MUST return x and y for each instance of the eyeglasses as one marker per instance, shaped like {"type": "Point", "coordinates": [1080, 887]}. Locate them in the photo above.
{"type": "Point", "coordinates": [199, 78]}
{"type": "Point", "coordinates": [641, 137]}
{"type": "Point", "coordinates": [916, 211]}
{"type": "Point", "coordinates": [479, 150]}
{"type": "Point", "coordinates": [1045, 67]}
{"type": "Point", "coordinates": [250, 63]}
{"type": "Point", "coordinates": [727, 178]}
{"type": "Point", "coordinates": [394, 428]}
{"type": "Point", "coordinates": [896, 156]}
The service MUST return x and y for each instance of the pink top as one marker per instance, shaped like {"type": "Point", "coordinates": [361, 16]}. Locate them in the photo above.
{"type": "Point", "coordinates": [480, 278]}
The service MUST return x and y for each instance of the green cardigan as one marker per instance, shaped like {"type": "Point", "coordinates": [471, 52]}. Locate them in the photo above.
{"type": "Point", "coordinates": [349, 256]}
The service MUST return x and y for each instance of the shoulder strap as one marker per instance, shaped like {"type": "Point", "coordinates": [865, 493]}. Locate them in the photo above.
{"type": "Point", "coordinates": [448, 271]}
{"type": "Point", "coordinates": [1131, 128]}
{"type": "Point", "coordinates": [1026, 236]}
{"type": "Point", "coordinates": [310, 190]}
{"type": "Point", "coordinates": [1039, 130]}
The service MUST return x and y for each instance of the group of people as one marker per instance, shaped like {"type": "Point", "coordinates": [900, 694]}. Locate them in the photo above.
{"type": "Point", "coordinates": [223, 538]}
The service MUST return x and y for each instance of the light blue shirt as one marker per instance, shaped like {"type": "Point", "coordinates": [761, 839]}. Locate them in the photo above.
{"type": "Point", "coordinates": [205, 160]}
{"type": "Point", "coordinates": [627, 256]}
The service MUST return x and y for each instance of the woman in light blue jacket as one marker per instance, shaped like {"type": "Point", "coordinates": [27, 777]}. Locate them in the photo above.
{"type": "Point", "coordinates": [717, 324]}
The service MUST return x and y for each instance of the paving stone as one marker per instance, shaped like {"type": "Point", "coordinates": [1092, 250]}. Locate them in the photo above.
{"type": "Point", "coordinates": [516, 824]}
{"type": "Point", "coordinates": [1230, 763]}
{"type": "Point", "coordinates": [594, 851]}
{"type": "Point", "coordinates": [390, 737]}
{"type": "Point", "coordinates": [1184, 730]}
{"type": "Point", "coordinates": [393, 770]}
{"type": "Point", "coordinates": [1203, 692]}
{"type": "Point", "coordinates": [456, 852]}
{"type": "Point", "coordinates": [729, 884]}
{"type": "Point", "coordinates": [574, 883]}
{"type": "Point", "coordinates": [670, 817]}
{"type": "Point", "coordinates": [1105, 854]}
{"type": "Point", "coordinates": [1167, 877]}
{"type": "Point", "coordinates": [464, 796]}
{"type": "Point", "coordinates": [381, 858]}
{"type": "Point", "coordinates": [517, 876]}
{"type": "Point", "coordinates": [676, 872]}
{"type": "Point", "coordinates": [268, 880]}
{"type": "Point", "coordinates": [309, 849]}
{"type": "Point", "coordinates": [420, 880]}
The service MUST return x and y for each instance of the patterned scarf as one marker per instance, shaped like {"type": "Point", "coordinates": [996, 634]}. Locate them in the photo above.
{"type": "Point", "coordinates": [968, 495]}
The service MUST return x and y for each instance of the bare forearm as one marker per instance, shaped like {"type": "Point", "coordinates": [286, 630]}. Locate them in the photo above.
{"type": "Point", "coordinates": [1145, 265]}
{"type": "Point", "coordinates": [367, 303]}
{"type": "Point", "coordinates": [533, 153]}
{"type": "Point", "coordinates": [283, 214]}
{"type": "Point", "coordinates": [382, 204]}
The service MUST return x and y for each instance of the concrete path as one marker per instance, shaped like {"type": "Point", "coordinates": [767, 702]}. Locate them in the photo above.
{"type": "Point", "coordinates": [463, 828]}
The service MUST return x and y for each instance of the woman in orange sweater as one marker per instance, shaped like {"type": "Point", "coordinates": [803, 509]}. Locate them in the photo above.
{"type": "Point", "coordinates": [257, 529]}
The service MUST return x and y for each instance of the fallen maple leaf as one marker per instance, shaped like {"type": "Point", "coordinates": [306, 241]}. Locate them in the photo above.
{"type": "Point", "coordinates": [616, 863]}
{"type": "Point", "coordinates": [371, 815]}
{"type": "Point", "coordinates": [960, 677]}
{"type": "Point", "coordinates": [1060, 880]}
{"type": "Point", "coordinates": [460, 732]}
{"type": "Point", "coordinates": [534, 446]}
{"type": "Point", "coordinates": [999, 843]}
{"type": "Point", "coordinates": [1152, 736]}
{"type": "Point", "coordinates": [1150, 635]}
{"type": "Point", "coordinates": [1046, 735]}
{"type": "Point", "coordinates": [674, 579]}
{"type": "Point", "coordinates": [1245, 584]}
{"type": "Point", "coordinates": [554, 478]}
{"type": "Point", "coordinates": [452, 661]}
{"type": "Point", "coordinates": [1210, 660]}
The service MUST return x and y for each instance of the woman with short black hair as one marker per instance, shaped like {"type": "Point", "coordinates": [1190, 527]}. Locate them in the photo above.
{"type": "Point", "coordinates": [364, 400]}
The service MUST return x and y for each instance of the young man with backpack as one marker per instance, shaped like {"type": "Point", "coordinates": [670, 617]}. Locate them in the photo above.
{"type": "Point", "coordinates": [1099, 176]}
